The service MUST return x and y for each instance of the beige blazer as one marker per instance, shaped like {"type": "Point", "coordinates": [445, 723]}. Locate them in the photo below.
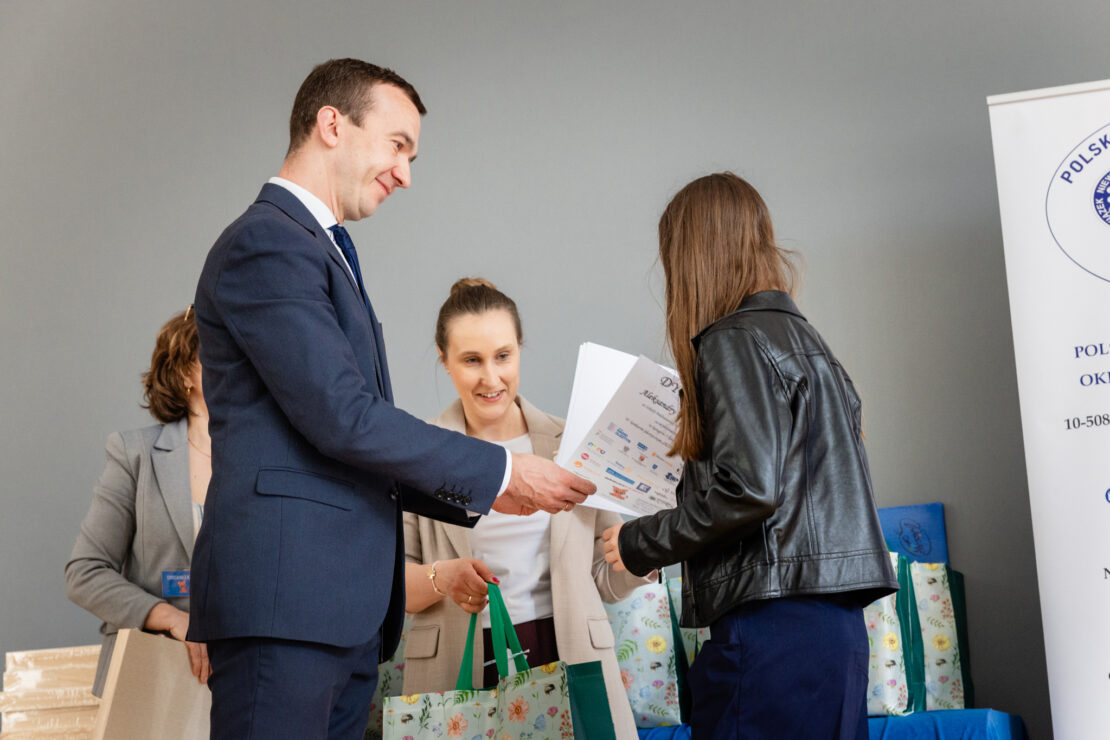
{"type": "Point", "coordinates": [580, 580]}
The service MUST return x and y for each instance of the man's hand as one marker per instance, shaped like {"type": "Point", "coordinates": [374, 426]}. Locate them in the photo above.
{"type": "Point", "coordinates": [537, 484]}
{"type": "Point", "coordinates": [612, 547]}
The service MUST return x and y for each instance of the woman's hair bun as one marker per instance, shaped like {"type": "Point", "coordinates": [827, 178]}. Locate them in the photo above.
{"type": "Point", "coordinates": [470, 282]}
{"type": "Point", "coordinates": [473, 295]}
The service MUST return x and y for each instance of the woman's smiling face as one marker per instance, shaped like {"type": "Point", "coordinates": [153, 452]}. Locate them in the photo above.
{"type": "Point", "coordinates": [483, 360]}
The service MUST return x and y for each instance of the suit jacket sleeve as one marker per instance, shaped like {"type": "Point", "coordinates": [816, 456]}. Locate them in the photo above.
{"type": "Point", "coordinates": [273, 293]}
{"type": "Point", "coordinates": [94, 578]}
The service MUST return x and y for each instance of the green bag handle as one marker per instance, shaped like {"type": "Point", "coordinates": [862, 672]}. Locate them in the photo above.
{"type": "Point", "coordinates": [959, 607]}
{"type": "Point", "coordinates": [504, 637]}
{"type": "Point", "coordinates": [682, 666]}
{"type": "Point", "coordinates": [913, 649]}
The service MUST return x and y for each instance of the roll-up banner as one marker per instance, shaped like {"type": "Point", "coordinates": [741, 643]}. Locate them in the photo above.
{"type": "Point", "coordinates": [1052, 161]}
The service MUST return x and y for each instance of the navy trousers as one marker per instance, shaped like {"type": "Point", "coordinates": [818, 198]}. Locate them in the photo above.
{"type": "Point", "coordinates": [266, 689]}
{"type": "Point", "coordinates": [783, 668]}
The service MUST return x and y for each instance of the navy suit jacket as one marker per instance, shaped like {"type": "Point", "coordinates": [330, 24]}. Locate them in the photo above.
{"type": "Point", "coordinates": [302, 535]}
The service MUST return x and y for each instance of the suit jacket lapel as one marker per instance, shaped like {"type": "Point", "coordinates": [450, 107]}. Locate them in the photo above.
{"type": "Point", "coordinates": [170, 457]}
{"type": "Point", "coordinates": [384, 385]}
{"type": "Point", "coordinates": [292, 207]}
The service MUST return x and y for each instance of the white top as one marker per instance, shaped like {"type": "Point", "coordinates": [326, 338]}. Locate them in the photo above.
{"type": "Point", "coordinates": [327, 219]}
{"type": "Point", "coordinates": [198, 517]}
{"type": "Point", "coordinates": [518, 551]}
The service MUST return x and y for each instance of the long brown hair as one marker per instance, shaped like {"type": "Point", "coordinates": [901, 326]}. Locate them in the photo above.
{"type": "Point", "coordinates": [717, 247]}
{"type": "Point", "coordinates": [175, 350]}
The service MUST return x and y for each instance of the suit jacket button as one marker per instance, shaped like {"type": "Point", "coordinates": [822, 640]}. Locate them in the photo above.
{"type": "Point", "coordinates": [394, 493]}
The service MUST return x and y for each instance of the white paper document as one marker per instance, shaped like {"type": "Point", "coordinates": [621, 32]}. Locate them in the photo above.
{"type": "Point", "coordinates": [620, 424]}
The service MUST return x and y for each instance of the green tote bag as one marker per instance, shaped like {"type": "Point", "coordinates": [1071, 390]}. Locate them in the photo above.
{"type": "Point", "coordinates": [556, 701]}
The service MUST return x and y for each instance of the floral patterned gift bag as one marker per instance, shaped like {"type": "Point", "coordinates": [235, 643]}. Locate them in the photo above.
{"type": "Point", "coordinates": [692, 638]}
{"type": "Point", "coordinates": [653, 671]}
{"type": "Point", "coordinates": [938, 592]}
{"type": "Point", "coordinates": [553, 701]}
{"type": "Point", "coordinates": [446, 714]}
{"type": "Point", "coordinates": [895, 682]}
{"type": "Point", "coordinates": [390, 680]}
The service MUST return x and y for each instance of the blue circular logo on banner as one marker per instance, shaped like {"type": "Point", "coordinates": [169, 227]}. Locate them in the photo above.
{"type": "Point", "coordinates": [1102, 199]}
{"type": "Point", "coordinates": [1077, 204]}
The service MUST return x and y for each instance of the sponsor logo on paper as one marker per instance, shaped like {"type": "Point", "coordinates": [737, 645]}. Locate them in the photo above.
{"type": "Point", "coordinates": [643, 487]}
{"type": "Point", "coordinates": [1077, 204]}
{"type": "Point", "coordinates": [619, 476]}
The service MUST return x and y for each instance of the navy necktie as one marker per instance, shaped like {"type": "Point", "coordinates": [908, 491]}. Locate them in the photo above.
{"type": "Point", "coordinates": [343, 241]}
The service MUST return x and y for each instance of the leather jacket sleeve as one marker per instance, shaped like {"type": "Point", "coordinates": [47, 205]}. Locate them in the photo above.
{"type": "Point", "coordinates": [728, 493]}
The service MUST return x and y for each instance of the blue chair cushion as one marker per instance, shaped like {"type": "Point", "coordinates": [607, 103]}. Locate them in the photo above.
{"type": "Point", "coordinates": [953, 724]}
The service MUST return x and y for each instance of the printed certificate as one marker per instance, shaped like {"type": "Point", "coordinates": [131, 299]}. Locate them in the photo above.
{"type": "Point", "coordinates": [620, 424]}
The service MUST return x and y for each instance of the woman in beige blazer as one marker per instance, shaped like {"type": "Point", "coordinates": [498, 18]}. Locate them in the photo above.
{"type": "Point", "coordinates": [130, 564]}
{"type": "Point", "coordinates": [478, 336]}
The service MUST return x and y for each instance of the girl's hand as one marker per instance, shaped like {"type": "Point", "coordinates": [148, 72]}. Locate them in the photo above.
{"type": "Point", "coordinates": [612, 548]}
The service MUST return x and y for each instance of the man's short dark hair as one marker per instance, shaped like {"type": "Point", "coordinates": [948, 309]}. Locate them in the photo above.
{"type": "Point", "coordinates": [346, 85]}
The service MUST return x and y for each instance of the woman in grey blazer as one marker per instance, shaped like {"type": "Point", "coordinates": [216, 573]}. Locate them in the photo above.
{"type": "Point", "coordinates": [130, 564]}
{"type": "Point", "coordinates": [551, 568]}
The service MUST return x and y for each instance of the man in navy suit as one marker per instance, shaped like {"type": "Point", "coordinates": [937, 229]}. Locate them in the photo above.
{"type": "Point", "coordinates": [298, 578]}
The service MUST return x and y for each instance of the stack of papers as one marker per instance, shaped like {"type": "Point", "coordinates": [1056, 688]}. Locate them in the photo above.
{"type": "Point", "coordinates": [620, 425]}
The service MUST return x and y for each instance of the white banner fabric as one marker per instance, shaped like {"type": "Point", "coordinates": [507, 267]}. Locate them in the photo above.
{"type": "Point", "coordinates": [1052, 161]}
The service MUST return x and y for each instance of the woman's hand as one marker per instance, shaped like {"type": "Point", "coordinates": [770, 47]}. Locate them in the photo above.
{"type": "Point", "coordinates": [198, 660]}
{"type": "Point", "coordinates": [612, 547]}
{"type": "Point", "coordinates": [464, 581]}
{"type": "Point", "coordinates": [167, 618]}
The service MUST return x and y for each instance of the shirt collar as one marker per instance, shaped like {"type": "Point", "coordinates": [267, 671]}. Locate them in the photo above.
{"type": "Point", "coordinates": [314, 205]}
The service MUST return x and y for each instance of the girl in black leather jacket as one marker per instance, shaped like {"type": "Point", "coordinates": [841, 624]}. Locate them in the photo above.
{"type": "Point", "coordinates": [775, 524]}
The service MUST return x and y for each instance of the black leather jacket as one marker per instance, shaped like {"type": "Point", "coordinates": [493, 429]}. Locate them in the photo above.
{"type": "Point", "coordinates": [781, 503]}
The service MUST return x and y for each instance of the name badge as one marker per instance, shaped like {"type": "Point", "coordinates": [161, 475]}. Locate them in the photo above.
{"type": "Point", "coordinates": [175, 583]}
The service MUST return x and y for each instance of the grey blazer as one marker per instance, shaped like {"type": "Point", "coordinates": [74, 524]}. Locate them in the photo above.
{"type": "Point", "coordinates": [140, 523]}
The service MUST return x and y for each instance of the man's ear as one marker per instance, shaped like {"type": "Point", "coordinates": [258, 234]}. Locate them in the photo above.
{"type": "Point", "coordinates": [328, 122]}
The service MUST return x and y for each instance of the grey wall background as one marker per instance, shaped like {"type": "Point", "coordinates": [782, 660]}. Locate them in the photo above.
{"type": "Point", "coordinates": [133, 132]}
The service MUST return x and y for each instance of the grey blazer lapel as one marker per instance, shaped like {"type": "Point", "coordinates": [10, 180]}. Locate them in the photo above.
{"type": "Point", "coordinates": [171, 472]}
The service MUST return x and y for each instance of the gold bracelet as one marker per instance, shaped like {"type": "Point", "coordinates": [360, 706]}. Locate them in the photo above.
{"type": "Point", "coordinates": [432, 578]}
